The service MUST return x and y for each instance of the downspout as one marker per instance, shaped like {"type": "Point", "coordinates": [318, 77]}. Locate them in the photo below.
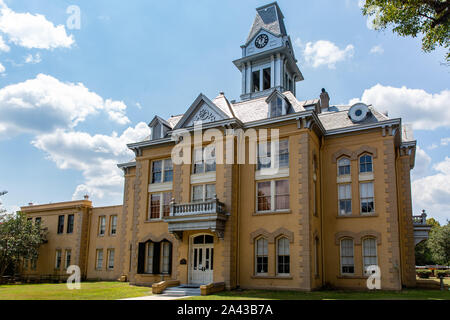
{"type": "Point", "coordinates": [238, 275]}
{"type": "Point", "coordinates": [321, 210]}
{"type": "Point", "coordinates": [88, 238]}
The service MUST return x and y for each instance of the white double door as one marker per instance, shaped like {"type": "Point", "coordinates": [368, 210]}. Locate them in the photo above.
{"type": "Point", "coordinates": [202, 264]}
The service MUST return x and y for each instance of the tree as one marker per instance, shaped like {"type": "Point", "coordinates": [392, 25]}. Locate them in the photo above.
{"type": "Point", "coordinates": [431, 18]}
{"type": "Point", "coordinates": [422, 251]}
{"type": "Point", "coordinates": [19, 239]}
{"type": "Point", "coordinates": [2, 193]}
{"type": "Point", "coordinates": [439, 244]}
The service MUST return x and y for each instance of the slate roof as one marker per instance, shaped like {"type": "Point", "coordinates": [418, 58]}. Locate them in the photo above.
{"type": "Point", "coordinates": [270, 18]}
{"type": "Point", "coordinates": [339, 119]}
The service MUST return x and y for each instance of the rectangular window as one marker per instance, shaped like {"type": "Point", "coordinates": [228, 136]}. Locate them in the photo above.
{"type": "Point", "coordinates": [347, 261]}
{"type": "Point", "coordinates": [38, 220]}
{"type": "Point", "coordinates": [204, 160]}
{"type": "Point", "coordinates": [165, 257]}
{"type": "Point", "coordinates": [70, 220]}
{"type": "Point", "coordinates": [281, 154]}
{"type": "Point", "coordinates": [33, 264]}
{"type": "Point", "coordinates": [99, 260]}
{"type": "Point", "coordinates": [203, 192]}
{"type": "Point", "coordinates": [113, 225]}
{"type": "Point", "coordinates": [168, 170]}
{"type": "Point", "coordinates": [157, 171]}
{"type": "Point", "coordinates": [264, 155]}
{"type": "Point", "coordinates": [343, 167]}
{"type": "Point", "coordinates": [283, 256]}
{"type": "Point", "coordinates": [266, 78]}
{"type": "Point", "coordinates": [369, 253]}
{"type": "Point", "coordinates": [261, 256]}
{"type": "Point", "coordinates": [345, 199]}
{"type": "Point", "coordinates": [367, 199]}
{"type": "Point", "coordinates": [281, 194]}
{"type": "Point", "coordinates": [273, 195]}
{"type": "Point", "coordinates": [58, 259]}
{"type": "Point", "coordinates": [60, 224]}
{"type": "Point", "coordinates": [68, 258]}
{"type": "Point", "coordinates": [255, 81]}
{"type": "Point", "coordinates": [101, 225]}
{"type": "Point", "coordinates": [160, 205]}
{"type": "Point", "coordinates": [149, 260]}
{"type": "Point", "coordinates": [111, 259]}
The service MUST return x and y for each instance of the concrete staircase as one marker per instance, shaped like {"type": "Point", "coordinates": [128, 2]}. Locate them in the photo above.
{"type": "Point", "coordinates": [181, 291]}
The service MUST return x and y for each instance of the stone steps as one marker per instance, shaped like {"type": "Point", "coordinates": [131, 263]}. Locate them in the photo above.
{"type": "Point", "coordinates": [181, 291]}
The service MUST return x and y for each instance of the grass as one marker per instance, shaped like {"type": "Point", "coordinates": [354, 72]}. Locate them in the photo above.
{"type": "Point", "coordinates": [88, 291]}
{"type": "Point", "coordinates": [407, 294]}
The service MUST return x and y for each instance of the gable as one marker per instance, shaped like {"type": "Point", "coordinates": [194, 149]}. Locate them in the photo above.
{"type": "Point", "coordinates": [273, 42]}
{"type": "Point", "coordinates": [203, 110]}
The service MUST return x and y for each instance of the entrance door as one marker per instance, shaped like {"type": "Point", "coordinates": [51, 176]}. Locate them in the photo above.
{"type": "Point", "coordinates": [202, 260]}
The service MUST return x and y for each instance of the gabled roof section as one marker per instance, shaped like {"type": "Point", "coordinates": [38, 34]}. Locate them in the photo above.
{"type": "Point", "coordinates": [203, 109]}
{"type": "Point", "coordinates": [270, 18]}
{"type": "Point", "coordinates": [161, 121]}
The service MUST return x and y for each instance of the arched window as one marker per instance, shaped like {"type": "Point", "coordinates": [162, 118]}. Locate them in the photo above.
{"type": "Point", "coordinates": [343, 166]}
{"type": "Point", "coordinates": [347, 257]}
{"type": "Point", "coordinates": [369, 253]}
{"type": "Point", "coordinates": [283, 256]}
{"type": "Point", "coordinates": [365, 163]}
{"type": "Point", "coordinates": [261, 256]}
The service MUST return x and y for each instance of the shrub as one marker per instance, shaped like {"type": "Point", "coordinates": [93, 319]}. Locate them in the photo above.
{"type": "Point", "coordinates": [445, 273]}
{"type": "Point", "coordinates": [424, 274]}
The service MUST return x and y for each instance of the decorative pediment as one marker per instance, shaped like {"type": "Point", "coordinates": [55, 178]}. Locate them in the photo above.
{"type": "Point", "coordinates": [263, 40]}
{"type": "Point", "coordinates": [203, 110]}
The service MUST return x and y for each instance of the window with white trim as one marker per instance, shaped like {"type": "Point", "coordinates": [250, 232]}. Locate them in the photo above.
{"type": "Point", "coordinates": [369, 253]}
{"type": "Point", "coordinates": [160, 205]}
{"type": "Point", "coordinates": [58, 258]}
{"type": "Point", "coordinates": [273, 195]}
{"type": "Point", "coordinates": [99, 259]}
{"type": "Point", "coordinates": [276, 107]}
{"type": "Point", "coordinates": [203, 192]}
{"type": "Point", "coordinates": [261, 256]}
{"type": "Point", "coordinates": [365, 163]}
{"type": "Point", "coordinates": [113, 225]}
{"type": "Point", "coordinates": [204, 160]}
{"type": "Point", "coordinates": [111, 253]}
{"type": "Point", "coordinates": [149, 254]}
{"type": "Point", "coordinates": [165, 257]}
{"type": "Point", "coordinates": [68, 256]}
{"type": "Point", "coordinates": [347, 258]}
{"type": "Point", "coordinates": [343, 167]}
{"type": "Point", "coordinates": [367, 198]}
{"type": "Point", "coordinates": [162, 171]}
{"type": "Point", "coordinates": [345, 199]}
{"type": "Point", "coordinates": [101, 225]}
{"type": "Point", "coordinates": [283, 256]}
{"type": "Point", "coordinates": [280, 150]}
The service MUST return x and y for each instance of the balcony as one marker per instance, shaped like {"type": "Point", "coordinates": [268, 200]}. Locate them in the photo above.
{"type": "Point", "coordinates": [207, 215]}
{"type": "Point", "coordinates": [421, 229]}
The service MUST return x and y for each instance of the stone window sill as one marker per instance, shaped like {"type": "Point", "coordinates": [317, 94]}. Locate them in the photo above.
{"type": "Point", "coordinates": [265, 213]}
{"type": "Point", "coordinates": [273, 277]}
{"type": "Point", "coordinates": [356, 216]}
{"type": "Point", "coordinates": [352, 277]}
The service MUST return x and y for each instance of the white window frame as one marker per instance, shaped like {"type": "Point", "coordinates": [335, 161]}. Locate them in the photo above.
{"type": "Point", "coordinates": [278, 254]}
{"type": "Point", "coordinates": [203, 160]}
{"type": "Point", "coordinates": [345, 199]}
{"type": "Point", "coordinates": [164, 259]}
{"type": "Point", "coordinates": [161, 204]}
{"type": "Point", "coordinates": [364, 256]}
{"type": "Point", "coordinates": [101, 225]}
{"type": "Point", "coordinates": [113, 226]}
{"type": "Point", "coordinates": [111, 250]}
{"type": "Point", "coordinates": [68, 252]}
{"type": "Point", "coordinates": [58, 259]}
{"type": "Point", "coordinates": [341, 257]}
{"type": "Point", "coordinates": [149, 252]}
{"type": "Point", "coordinates": [359, 162]}
{"type": "Point", "coordinates": [272, 196]}
{"type": "Point", "coordinates": [98, 261]}
{"type": "Point", "coordinates": [274, 156]}
{"type": "Point", "coordinates": [260, 68]}
{"type": "Point", "coordinates": [203, 191]}
{"type": "Point", "coordinates": [361, 198]}
{"type": "Point", "coordinates": [264, 255]}
{"type": "Point", "coordinates": [163, 171]}
{"type": "Point", "coordinates": [339, 166]}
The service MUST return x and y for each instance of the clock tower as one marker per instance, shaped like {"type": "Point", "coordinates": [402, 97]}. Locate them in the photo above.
{"type": "Point", "coordinates": [268, 61]}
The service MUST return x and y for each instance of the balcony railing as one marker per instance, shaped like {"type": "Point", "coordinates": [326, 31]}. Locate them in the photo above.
{"type": "Point", "coordinates": [420, 219]}
{"type": "Point", "coordinates": [194, 208]}
{"type": "Point", "coordinates": [421, 229]}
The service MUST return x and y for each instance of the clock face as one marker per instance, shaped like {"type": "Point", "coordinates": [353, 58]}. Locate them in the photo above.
{"type": "Point", "coordinates": [261, 41]}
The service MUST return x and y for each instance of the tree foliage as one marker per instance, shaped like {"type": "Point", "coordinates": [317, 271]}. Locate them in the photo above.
{"type": "Point", "coordinates": [19, 239]}
{"type": "Point", "coordinates": [429, 18]}
{"type": "Point", "coordinates": [439, 244]}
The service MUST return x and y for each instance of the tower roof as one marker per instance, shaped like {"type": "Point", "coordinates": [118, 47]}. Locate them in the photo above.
{"type": "Point", "coordinates": [268, 17]}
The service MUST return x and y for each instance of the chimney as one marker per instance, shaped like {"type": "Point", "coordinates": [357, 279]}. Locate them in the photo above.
{"type": "Point", "coordinates": [324, 100]}
{"type": "Point", "coordinates": [86, 197]}
{"type": "Point", "coordinates": [30, 203]}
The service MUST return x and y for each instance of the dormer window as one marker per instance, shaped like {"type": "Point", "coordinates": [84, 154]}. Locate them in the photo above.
{"type": "Point", "coordinates": [276, 107]}
{"type": "Point", "coordinates": [159, 128]}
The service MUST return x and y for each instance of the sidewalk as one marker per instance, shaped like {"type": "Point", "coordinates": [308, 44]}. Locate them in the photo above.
{"type": "Point", "coordinates": [156, 297]}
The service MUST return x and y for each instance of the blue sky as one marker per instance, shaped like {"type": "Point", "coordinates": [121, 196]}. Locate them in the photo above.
{"type": "Point", "coordinates": [70, 99]}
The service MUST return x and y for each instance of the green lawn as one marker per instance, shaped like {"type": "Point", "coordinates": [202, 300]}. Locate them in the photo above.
{"type": "Point", "coordinates": [88, 291]}
{"type": "Point", "coordinates": [410, 294]}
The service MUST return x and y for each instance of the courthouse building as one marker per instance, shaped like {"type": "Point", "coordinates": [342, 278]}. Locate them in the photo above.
{"type": "Point", "coordinates": [328, 196]}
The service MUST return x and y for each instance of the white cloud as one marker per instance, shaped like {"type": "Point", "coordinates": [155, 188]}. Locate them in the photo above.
{"type": "Point", "coordinates": [445, 141]}
{"type": "Point", "coordinates": [45, 104]}
{"type": "Point", "coordinates": [96, 156]}
{"type": "Point", "coordinates": [425, 111]}
{"type": "Point", "coordinates": [324, 52]}
{"type": "Point", "coordinates": [432, 193]}
{"type": "Point", "coordinates": [3, 46]}
{"type": "Point", "coordinates": [32, 30]}
{"type": "Point", "coordinates": [2, 69]}
{"type": "Point", "coordinates": [422, 164]}
{"type": "Point", "coordinates": [377, 50]}
{"type": "Point", "coordinates": [33, 59]}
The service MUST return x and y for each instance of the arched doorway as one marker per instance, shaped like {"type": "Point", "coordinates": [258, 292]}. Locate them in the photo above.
{"type": "Point", "coordinates": [201, 264]}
